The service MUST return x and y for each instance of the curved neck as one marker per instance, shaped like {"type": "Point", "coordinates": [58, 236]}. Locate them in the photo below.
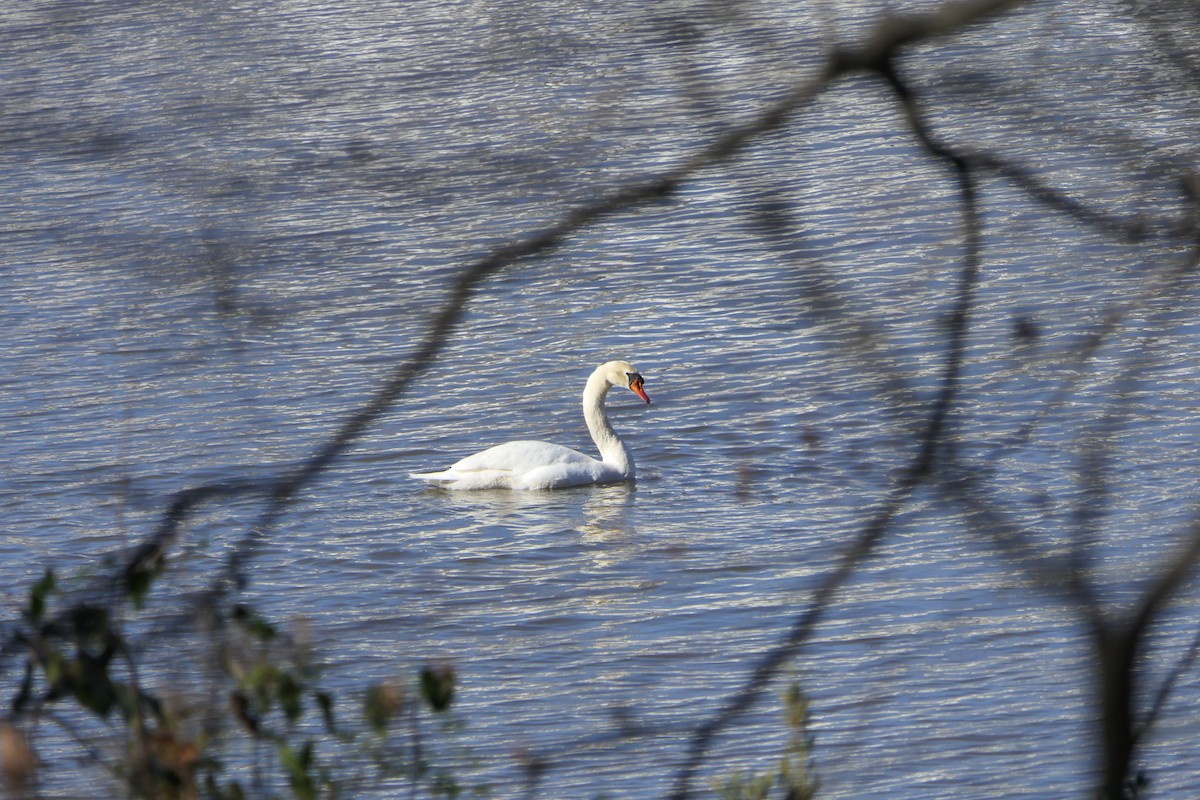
{"type": "Point", "coordinates": [612, 450]}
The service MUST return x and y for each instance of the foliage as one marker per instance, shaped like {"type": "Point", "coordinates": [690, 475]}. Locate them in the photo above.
{"type": "Point", "coordinates": [794, 777]}
{"type": "Point", "coordinates": [271, 726]}
{"type": "Point", "coordinates": [277, 726]}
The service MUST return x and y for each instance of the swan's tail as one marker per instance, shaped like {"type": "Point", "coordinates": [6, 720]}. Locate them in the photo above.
{"type": "Point", "coordinates": [470, 479]}
{"type": "Point", "coordinates": [433, 477]}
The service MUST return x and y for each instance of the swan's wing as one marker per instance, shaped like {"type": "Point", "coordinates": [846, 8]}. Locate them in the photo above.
{"type": "Point", "coordinates": [522, 465]}
{"type": "Point", "coordinates": [475, 479]}
{"type": "Point", "coordinates": [521, 457]}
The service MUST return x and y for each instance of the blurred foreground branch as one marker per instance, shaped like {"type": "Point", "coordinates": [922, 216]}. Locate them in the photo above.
{"type": "Point", "coordinates": [92, 625]}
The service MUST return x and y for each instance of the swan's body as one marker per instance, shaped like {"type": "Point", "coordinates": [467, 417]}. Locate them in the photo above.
{"type": "Point", "coordinates": [542, 465]}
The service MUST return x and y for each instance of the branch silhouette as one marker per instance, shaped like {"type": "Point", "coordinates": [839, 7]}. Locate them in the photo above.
{"type": "Point", "coordinates": [891, 33]}
{"type": "Point", "coordinates": [935, 461]}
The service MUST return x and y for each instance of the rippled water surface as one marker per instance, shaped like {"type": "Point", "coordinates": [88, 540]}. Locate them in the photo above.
{"type": "Point", "coordinates": [223, 228]}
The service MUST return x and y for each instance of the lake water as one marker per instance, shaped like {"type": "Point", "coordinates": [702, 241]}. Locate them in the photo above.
{"type": "Point", "coordinates": [223, 227]}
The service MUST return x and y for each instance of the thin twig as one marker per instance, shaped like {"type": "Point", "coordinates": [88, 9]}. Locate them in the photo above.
{"type": "Point", "coordinates": [934, 440]}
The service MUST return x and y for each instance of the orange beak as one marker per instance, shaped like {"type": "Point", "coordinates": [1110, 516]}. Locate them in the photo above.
{"type": "Point", "coordinates": [636, 387]}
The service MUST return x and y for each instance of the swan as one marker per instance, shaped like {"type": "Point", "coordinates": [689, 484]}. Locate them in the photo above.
{"type": "Point", "coordinates": [542, 465]}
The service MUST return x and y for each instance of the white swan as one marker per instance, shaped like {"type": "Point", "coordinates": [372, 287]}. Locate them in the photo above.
{"type": "Point", "coordinates": [542, 465]}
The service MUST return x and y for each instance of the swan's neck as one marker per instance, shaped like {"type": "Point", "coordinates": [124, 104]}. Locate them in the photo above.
{"type": "Point", "coordinates": [612, 450]}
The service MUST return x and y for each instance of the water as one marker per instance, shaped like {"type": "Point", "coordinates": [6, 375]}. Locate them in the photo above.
{"type": "Point", "coordinates": [225, 227]}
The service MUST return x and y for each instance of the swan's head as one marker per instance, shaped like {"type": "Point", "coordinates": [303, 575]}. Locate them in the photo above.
{"type": "Point", "coordinates": [622, 373]}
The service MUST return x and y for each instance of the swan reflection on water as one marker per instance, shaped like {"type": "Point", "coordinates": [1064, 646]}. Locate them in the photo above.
{"type": "Point", "coordinates": [599, 513]}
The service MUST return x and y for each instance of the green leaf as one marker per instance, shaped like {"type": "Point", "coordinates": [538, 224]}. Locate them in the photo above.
{"type": "Point", "coordinates": [297, 766]}
{"type": "Point", "coordinates": [26, 690]}
{"type": "Point", "coordinates": [93, 688]}
{"type": "Point", "coordinates": [138, 581]}
{"type": "Point", "coordinates": [261, 682]}
{"type": "Point", "coordinates": [289, 697]}
{"type": "Point", "coordinates": [437, 686]}
{"type": "Point", "coordinates": [253, 624]}
{"type": "Point", "coordinates": [37, 597]}
{"type": "Point", "coordinates": [91, 622]}
{"type": "Point", "coordinates": [55, 667]}
{"type": "Point", "coordinates": [326, 703]}
{"type": "Point", "coordinates": [382, 702]}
